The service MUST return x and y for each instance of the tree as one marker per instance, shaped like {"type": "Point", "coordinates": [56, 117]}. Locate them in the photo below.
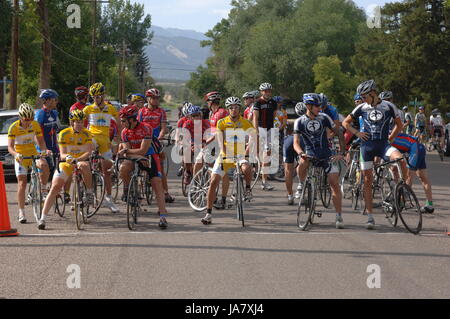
{"type": "Point", "coordinates": [337, 85]}
{"type": "Point", "coordinates": [5, 41]}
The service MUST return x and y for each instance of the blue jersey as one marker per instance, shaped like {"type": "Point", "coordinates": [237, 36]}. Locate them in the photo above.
{"type": "Point", "coordinates": [48, 120]}
{"type": "Point", "coordinates": [314, 134]}
{"type": "Point", "coordinates": [375, 120]}
{"type": "Point", "coordinates": [332, 112]}
{"type": "Point", "coordinates": [408, 144]}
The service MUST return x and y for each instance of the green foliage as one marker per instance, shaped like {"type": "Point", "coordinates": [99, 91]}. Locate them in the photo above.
{"type": "Point", "coordinates": [337, 85]}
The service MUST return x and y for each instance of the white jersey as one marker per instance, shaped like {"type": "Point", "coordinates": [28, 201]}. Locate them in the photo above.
{"type": "Point", "coordinates": [436, 121]}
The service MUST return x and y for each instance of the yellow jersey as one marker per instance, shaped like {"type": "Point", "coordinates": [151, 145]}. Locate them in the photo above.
{"type": "Point", "coordinates": [75, 142]}
{"type": "Point", "coordinates": [100, 119]}
{"type": "Point", "coordinates": [235, 133]}
{"type": "Point", "coordinates": [24, 142]}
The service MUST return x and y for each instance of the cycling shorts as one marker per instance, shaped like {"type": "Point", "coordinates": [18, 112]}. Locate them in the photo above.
{"type": "Point", "coordinates": [421, 129]}
{"type": "Point", "coordinates": [437, 131]}
{"type": "Point", "coordinates": [372, 149]}
{"type": "Point", "coordinates": [416, 160]}
{"type": "Point", "coordinates": [22, 168]}
{"type": "Point", "coordinates": [104, 146]}
{"type": "Point", "coordinates": [65, 171]}
{"type": "Point", "coordinates": [228, 166]}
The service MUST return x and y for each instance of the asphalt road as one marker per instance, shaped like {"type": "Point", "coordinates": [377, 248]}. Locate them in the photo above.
{"type": "Point", "coordinates": [269, 258]}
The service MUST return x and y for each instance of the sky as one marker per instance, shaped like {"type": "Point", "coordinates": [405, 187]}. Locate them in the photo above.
{"type": "Point", "coordinates": [203, 15]}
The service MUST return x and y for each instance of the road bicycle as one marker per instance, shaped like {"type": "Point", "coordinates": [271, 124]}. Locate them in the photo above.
{"type": "Point", "coordinates": [306, 210]}
{"type": "Point", "coordinates": [35, 189]}
{"type": "Point", "coordinates": [398, 198]}
{"type": "Point", "coordinates": [98, 182]}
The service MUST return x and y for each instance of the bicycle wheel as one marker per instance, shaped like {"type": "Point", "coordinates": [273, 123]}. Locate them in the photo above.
{"type": "Point", "coordinates": [98, 186]}
{"type": "Point", "coordinates": [60, 205]}
{"type": "Point", "coordinates": [387, 198]}
{"type": "Point", "coordinates": [166, 163]}
{"type": "Point", "coordinates": [116, 183]}
{"type": "Point", "coordinates": [184, 187]}
{"type": "Point", "coordinates": [36, 197]}
{"type": "Point", "coordinates": [198, 189]}
{"type": "Point", "coordinates": [324, 190]}
{"type": "Point", "coordinates": [133, 203]}
{"type": "Point", "coordinates": [239, 199]}
{"type": "Point", "coordinates": [357, 190]}
{"type": "Point", "coordinates": [78, 204]}
{"type": "Point", "coordinates": [172, 136]}
{"type": "Point", "coordinates": [305, 211]}
{"type": "Point", "coordinates": [256, 172]}
{"type": "Point", "coordinates": [148, 190]}
{"type": "Point", "coordinates": [408, 208]}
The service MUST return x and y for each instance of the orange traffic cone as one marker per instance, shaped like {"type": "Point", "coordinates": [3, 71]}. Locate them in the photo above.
{"type": "Point", "coordinates": [5, 225]}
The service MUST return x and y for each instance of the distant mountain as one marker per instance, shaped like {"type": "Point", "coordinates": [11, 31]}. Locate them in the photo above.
{"type": "Point", "coordinates": [175, 53]}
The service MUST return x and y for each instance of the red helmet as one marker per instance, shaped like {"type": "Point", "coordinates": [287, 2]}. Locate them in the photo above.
{"type": "Point", "coordinates": [129, 112]}
{"type": "Point", "coordinates": [212, 96]}
{"type": "Point", "coordinates": [152, 92]}
{"type": "Point", "coordinates": [81, 92]}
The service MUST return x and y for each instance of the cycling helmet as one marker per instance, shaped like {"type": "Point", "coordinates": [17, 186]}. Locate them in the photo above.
{"type": "Point", "coordinates": [277, 99]}
{"type": "Point", "coordinates": [311, 98]}
{"type": "Point", "coordinates": [185, 107]}
{"type": "Point", "coordinates": [249, 95]}
{"type": "Point", "coordinates": [137, 97]}
{"type": "Point", "coordinates": [129, 96]}
{"type": "Point", "coordinates": [130, 111]}
{"type": "Point", "coordinates": [386, 95]}
{"type": "Point", "coordinates": [405, 108]}
{"type": "Point", "coordinates": [26, 111]}
{"type": "Point", "coordinates": [77, 115]}
{"type": "Point", "coordinates": [366, 87]}
{"type": "Point", "coordinates": [435, 112]}
{"type": "Point", "coordinates": [152, 93]}
{"type": "Point", "coordinates": [300, 108]}
{"type": "Point", "coordinates": [212, 96]}
{"type": "Point", "coordinates": [193, 109]}
{"type": "Point", "coordinates": [265, 86]}
{"type": "Point", "coordinates": [357, 97]}
{"type": "Point", "coordinates": [232, 100]}
{"type": "Point", "coordinates": [323, 99]}
{"type": "Point", "coordinates": [97, 89]}
{"type": "Point", "coordinates": [81, 92]}
{"type": "Point", "coordinates": [48, 94]}
{"type": "Point", "coordinates": [421, 108]}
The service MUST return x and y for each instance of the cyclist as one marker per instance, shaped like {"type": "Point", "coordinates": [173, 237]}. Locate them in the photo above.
{"type": "Point", "coordinates": [156, 117]}
{"type": "Point", "coordinates": [178, 134]}
{"type": "Point", "coordinates": [137, 140]}
{"type": "Point", "coordinates": [416, 164]}
{"type": "Point", "coordinates": [374, 133]}
{"type": "Point", "coordinates": [289, 156]}
{"type": "Point", "coordinates": [437, 127]}
{"type": "Point", "coordinates": [76, 147]}
{"type": "Point", "coordinates": [263, 118]}
{"type": "Point", "coordinates": [420, 122]}
{"type": "Point", "coordinates": [100, 114]}
{"type": "Point", "coordinates": [315, 127]}
{"type": "Point", "coordinates": [249, 99]}
{"type": "Point", "coordinates": [409, 123]}
{"type": "Point", "coordinates": [47, 117]}
{"type": "Point", "coordinates": [138, 100]}
{"type": "Point", "coordinates": [195, 143]}
{"type": "Point", "coordinates": [215, 115]}
{"type": "Point", "coordinates": [82, 96]}
{"type": "Point", "coordinates": [230, 133]}
{"type": "Point", "coordinates": [358, 100]}
{"type": "Point", "coordinates": [23, 136]}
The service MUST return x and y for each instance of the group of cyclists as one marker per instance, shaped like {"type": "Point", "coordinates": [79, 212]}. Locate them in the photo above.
{"type": "Point", "coordinates": [222, 137]}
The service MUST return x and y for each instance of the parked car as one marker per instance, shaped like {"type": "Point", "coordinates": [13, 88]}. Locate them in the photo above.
{"type": "Point", "coordinates": [447, 137]}
{"type": "Point", "coordinates": [7, 117]}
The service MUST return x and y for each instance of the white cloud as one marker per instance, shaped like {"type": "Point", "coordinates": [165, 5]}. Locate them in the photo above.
{"type": "Point", "coordinates": [223, 13]}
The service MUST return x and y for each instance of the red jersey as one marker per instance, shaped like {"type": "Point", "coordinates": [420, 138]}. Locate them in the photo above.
{"type": "Point", "coordinates": [79, 106]}
{"type": "Point", "coordinates": [113, 130]}
{"type": "Point", "coordinates": [155, 117]}
{"type": "Point", "coordinates": [181, 121]}
{"type": "Point", "coordinates": [190, 126]}
{"type": "Point", "coordinates": [216, 116]}
{"type": "Point", "coordinates": [248, 113]}
{"type": "Point", "coordinates": [135, 136]}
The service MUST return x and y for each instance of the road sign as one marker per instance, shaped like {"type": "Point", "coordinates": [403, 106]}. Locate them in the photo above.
{"type": "Point", "coordinates": [6, 81]}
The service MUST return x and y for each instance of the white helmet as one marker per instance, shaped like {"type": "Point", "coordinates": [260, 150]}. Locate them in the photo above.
{"type": "Point", "coordinates": [232, 100]}
{"type": "Point", "coordinates": [265, 86]}
{"type": "Point", "coordinates": [250, 94]}
{"type": "Point", "coordinates": [26, 111]}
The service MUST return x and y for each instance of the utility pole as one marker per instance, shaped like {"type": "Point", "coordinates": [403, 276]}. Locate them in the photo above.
{"type": "Point", "coordinates": [14, 56]}
{"type": "Point", "coordinates": [122, 72]}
